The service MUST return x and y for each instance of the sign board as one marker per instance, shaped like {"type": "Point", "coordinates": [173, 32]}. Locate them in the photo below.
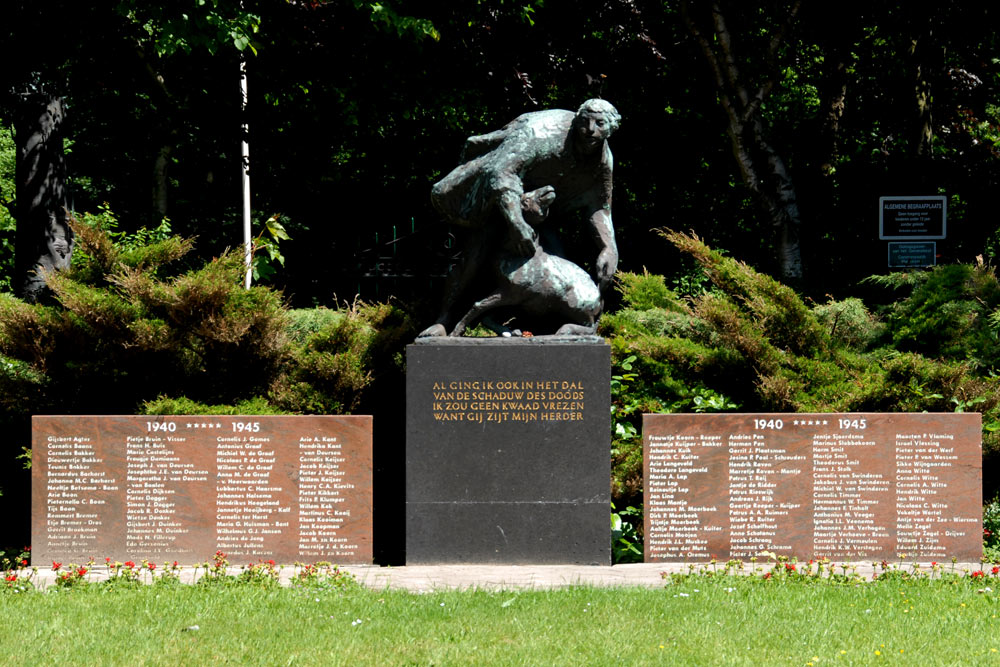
{"type": "Point", "coordinates": [914, 255]}
{"type": "Point", "coordinates": [912, 218]}
{"type": "Point", "coordinates": [841, 486]}
{"type": "Point", "coordinates": [164, 488]}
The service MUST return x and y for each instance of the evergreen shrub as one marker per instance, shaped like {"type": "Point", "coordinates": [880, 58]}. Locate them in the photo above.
{"type": "Point", "coordinates": [950, 313]}
{"type": "Point", "coordinates": [136, 327]}
{"type": "Point", "coordinates": [751, 344]}
{"type": "Point", "coordinates": [850, 324]}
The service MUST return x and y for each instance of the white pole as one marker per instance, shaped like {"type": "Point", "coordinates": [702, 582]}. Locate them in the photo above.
{"type": "Point", "coordinates": [245, 176]}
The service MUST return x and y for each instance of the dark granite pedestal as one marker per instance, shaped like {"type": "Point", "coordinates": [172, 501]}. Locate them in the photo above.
{"type": "Point", "coordinates": [507, 450]}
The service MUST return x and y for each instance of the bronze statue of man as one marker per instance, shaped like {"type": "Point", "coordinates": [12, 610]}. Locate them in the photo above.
{"type": "Point", "coordinates": [562, 152]}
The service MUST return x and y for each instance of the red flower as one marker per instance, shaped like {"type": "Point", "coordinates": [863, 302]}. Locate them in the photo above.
{"type": "Point", "coordinates": [767, 575]}
{"type": "Point", "coordinates": [129, 564]}
{"type": "Point", "coordinates": [996, 569]}
{"type": "Point", "coordinates": [789, 567]}
{"type": "Point", "coordinates": [56, 565]}
{"type": "Point", "coordinates": [978, 574]}
{"type": "Point", "coordinates": [11, 577]}
{"type": "Point", "coordinates": [107, 559]}
{"type": "Point", "coordinates": [175, 563]}
{"type": "Point", "coordinates": [24, 561]}
{"type": "Point", "coordinates": [271, 563]}
{"type": "Point", "coordinates": [152, 566]}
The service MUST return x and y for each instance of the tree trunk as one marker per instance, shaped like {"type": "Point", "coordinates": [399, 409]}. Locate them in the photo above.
{"type": "Point", "coordinates": [161, 183]}
{"type": "Point", "coordinates": [44, 240]}
{"type": "Point", "coordinates": [764, 171]}
{"type": "Point", "coordinates": [835, 99]}
{"type": "Point", "coordinates": [926, 60]}
{"type": "Point", "coordinates": [766, 175]}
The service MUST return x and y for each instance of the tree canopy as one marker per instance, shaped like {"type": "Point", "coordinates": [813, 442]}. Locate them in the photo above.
{"type": "Point", "coordinates": [769, 130]}
{"type": "Point", "coordinates": [753, 126]}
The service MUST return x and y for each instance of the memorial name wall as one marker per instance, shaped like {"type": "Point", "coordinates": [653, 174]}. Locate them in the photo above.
{"type": "Point", "coordinates": [283, 488]}
{"type": "Point", "coordinates": [857, 486]}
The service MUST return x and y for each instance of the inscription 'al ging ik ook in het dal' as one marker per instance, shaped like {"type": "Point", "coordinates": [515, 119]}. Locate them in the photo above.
{"type": "Point", "coordinates": [498, 401]}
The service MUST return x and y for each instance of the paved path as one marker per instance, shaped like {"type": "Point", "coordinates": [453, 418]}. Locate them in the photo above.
{"type": "Point", "coordinates": [426, 578]}
{"type": "Point", "coordinates": [499, 577]}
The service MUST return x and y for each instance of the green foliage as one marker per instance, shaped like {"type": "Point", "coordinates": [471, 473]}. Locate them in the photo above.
{"type": "Point", "coordinates": [777, 309]}
{"type": "Point", "coordinates": [850, 323]}
{"type": "Point", "coordinates": [122, 334]}
{"type": "Point", "coordinates": [207, 24]}
{"type": "Point", "coordinates": [8, 226]}
{"type": "Point", "coordinates": [950, 314]}
{"type": "Point", "coordinates": [267, 249]}
{"type": "Point", "coordinates": [104, 250]}
{"type": "Point", "coordinates": [898, 281]}
{"type": "Point", "coordinates": [751, 344]}
{"type": "Point", "coordinates": [645, 291]}
{"type": "Point", "coordinates": [185, 406]}
{"type": "Point", "coordinates": [131, 332]}
{"type": "Point", "coordinates": [341, 357]}
{"type": "Point", "coordinates": [991, 531]}
{"type": "Point", "coordinates": [303, 322]}
{"type": "Point", "coordinates": [382, 13]}
{"type": "Point", "coordinates": [21, 385]}
{"type": "Point", "coordinates": [626, 538]}
{"type": "Point", "coordinates": [940, 617]}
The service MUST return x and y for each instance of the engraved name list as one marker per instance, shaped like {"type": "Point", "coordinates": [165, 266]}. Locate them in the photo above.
{"type": "Point", "coordinates": [283, 488]}
{"type": "Point", "coordinates": [841, 486]}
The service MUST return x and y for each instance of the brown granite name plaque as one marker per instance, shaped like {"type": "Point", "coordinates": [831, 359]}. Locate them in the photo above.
{"type": "Point", "coordinates": [164, 488]}
{"type": "Point", "coordinates": [840, 486]}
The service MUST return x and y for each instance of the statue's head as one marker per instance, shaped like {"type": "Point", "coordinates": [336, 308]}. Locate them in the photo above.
{"type": "Point", "coordinates": [595, 121]}
{"type": "Point", "coordinates": [603, 107]}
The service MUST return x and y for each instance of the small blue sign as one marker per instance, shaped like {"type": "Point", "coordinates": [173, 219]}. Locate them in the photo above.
{"type": "Point", "coordinates": [913, 255]}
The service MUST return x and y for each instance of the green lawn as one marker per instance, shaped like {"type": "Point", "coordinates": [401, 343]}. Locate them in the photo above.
{"type": "Point", "coordinates": [700, 620]}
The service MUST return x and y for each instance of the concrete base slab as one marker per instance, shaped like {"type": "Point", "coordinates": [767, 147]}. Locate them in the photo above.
{"type": "Point", "coordinates": [429, 578]}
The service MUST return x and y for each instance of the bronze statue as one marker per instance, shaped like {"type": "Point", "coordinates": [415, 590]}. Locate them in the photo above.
{"type": "Point", "coordinates": [509, 182]}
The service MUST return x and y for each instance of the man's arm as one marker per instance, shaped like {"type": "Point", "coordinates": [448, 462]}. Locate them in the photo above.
{"type": "Point", "coordinates": [506, 185]}
{"type": "Point", "coordinates": [607, 259]}
{"type": "Point", "coordinates": [599, 206]}
{"type": "Point", "coordinates": [481, 144]}
{"type": "Point", "coordinates": [523, 239]}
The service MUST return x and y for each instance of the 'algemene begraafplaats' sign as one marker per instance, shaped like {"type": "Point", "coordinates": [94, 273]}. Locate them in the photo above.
{"type": "Point", "coordinates": [923, 217]}
{"type": "Point", "coordinates": [841, 486]}
{"type": "Point", "coordinates": [164, 488]}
